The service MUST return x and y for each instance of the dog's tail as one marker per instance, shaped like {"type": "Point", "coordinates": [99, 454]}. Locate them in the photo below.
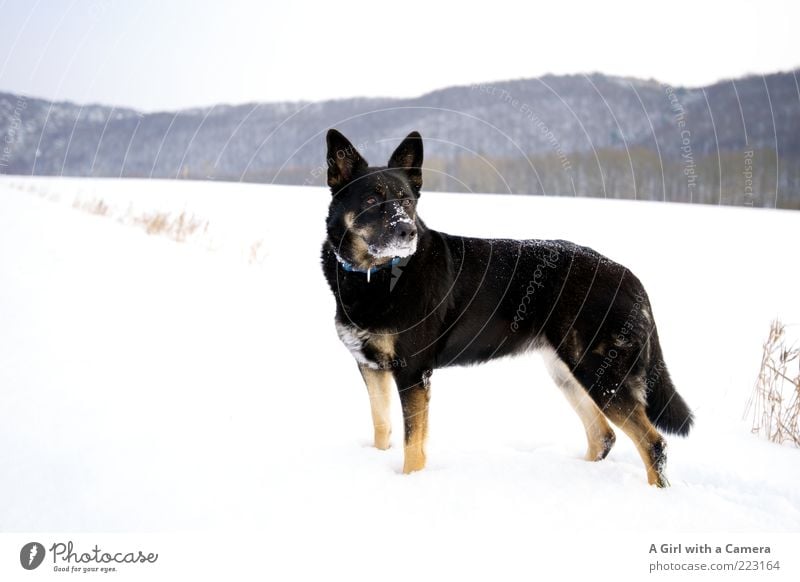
{"type": "Point", "coordinates": [665, 407]}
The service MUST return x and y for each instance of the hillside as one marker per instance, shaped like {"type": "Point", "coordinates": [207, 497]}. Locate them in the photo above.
{"type": "Point", "coordinates": [560, 135]}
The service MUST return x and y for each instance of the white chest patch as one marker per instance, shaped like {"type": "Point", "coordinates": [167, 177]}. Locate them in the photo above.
{"type": "Point", "coordinates": [355, 339]}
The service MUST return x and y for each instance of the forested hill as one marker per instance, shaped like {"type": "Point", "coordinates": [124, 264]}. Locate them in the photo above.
{"type": "Point", "coordinates": [735, 142]}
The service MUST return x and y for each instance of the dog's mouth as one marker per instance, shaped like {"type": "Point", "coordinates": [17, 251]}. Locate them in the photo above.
{"type": "Point", "coordinates": [396, 248]}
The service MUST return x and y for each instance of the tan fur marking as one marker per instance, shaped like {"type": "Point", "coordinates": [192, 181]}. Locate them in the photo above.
{"type": "Point", "coordinates": [359, 249]}
{"type": "Point", "coordinates": [639, 429]}
{"type": "Point", "coordinates": [415, 412]}
{"type": "Point", "coordinates": [379, 387]}
{"type": "Point", "coordinates": [383, 343]}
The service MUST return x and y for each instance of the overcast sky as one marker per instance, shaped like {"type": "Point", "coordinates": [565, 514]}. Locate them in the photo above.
{"type": "Point", "coordinates": [169, 54]}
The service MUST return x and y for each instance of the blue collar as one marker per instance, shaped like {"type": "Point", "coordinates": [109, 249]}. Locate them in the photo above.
{"type": "Point", "coordinates": [351, 268]}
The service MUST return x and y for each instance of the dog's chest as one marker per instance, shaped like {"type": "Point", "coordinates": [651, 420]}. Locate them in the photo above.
{"type": "Point", "coordinates": [372, 349]}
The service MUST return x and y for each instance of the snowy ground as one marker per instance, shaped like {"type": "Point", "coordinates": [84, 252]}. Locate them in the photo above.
{"type": "Point", "coordinates": [149, 385]}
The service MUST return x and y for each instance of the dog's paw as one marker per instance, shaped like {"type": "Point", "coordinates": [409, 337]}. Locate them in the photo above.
{"type": "Point", "coordinates": [383, 440]}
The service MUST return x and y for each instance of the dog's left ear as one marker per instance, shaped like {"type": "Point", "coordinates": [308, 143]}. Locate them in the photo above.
{"type": "Point", "coordinates": [408, 157]}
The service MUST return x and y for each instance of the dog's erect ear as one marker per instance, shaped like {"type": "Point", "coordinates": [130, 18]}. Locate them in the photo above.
{"type": "Point", "coordinates": [408, 157]}
{"type": "Point", "coordinates": [343, 160]}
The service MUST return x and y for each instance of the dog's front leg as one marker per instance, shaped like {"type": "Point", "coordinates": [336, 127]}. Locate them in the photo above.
{"type": "Point", "coordinates": [414, 389]}
{"type": "Point", "coordinates": [379, 386]}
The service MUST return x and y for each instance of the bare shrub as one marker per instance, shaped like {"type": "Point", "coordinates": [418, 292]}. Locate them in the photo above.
{"type": "Point", "coordinates": [775, 403]}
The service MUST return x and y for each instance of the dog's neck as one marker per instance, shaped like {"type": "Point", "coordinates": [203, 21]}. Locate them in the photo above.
{"type": "Point", "coordinates": [351, 268]}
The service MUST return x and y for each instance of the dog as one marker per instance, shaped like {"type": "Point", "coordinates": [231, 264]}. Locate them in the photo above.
{"type": "Point", "coordinates": [410, 299]}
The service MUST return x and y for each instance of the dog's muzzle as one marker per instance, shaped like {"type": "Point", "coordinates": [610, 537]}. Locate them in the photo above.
{"type": "Point", "coordinates": [400, 240]}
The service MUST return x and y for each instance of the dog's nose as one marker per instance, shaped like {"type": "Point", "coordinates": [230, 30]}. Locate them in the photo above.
{"type": "Point", "coordinates": [407, 232]}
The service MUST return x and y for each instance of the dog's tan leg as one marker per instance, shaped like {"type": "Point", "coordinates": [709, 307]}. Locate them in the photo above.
{"type": "Point", "coordinates": [599, 435]}
{"type": "Point", "coordinates": [651, 445]}
{"type": "Point", "coordinates": [415, 400]}
{"type": "Point", "coordinates": [379, 386]}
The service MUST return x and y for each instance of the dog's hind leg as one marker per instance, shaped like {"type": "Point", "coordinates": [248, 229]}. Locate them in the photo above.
{"type": "Point", "coordinates": [632, 419]}
{"type": "Point", "coordinates": [379, 387]}
{"type": "Point", "coordinates": [599, 434]}
{"type": "Point", "coordinates": [620, 395]}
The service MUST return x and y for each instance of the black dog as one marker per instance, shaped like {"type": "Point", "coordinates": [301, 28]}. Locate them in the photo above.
{"type": "Point", "coordinates": [410, 299]}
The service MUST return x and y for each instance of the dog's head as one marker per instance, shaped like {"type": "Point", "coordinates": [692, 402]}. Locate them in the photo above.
{"type": "Point", "coordinates": [372, 217]}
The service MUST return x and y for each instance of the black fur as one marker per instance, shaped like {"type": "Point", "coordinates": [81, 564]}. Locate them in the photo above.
{"type": "Point", "coordinates": [460, 301]}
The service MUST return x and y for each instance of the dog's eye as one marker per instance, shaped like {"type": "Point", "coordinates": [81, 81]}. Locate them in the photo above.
{"type": "Point", "coordinates": [406, 202]}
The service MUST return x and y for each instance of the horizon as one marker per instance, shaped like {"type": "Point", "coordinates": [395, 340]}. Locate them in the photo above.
{"type": "Point", "coordinates": [792, 71]}
{"type": "Point", "coordinates": [154, 57]}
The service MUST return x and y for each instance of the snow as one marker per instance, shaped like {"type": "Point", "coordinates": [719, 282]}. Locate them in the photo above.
{"type": "Point", "coordinates": [150, 385]}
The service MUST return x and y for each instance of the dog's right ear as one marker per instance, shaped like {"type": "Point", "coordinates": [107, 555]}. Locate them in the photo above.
{"type": "Point", "coordinates": [344, 161]}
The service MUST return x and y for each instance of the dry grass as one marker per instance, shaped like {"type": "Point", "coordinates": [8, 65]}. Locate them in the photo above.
{"type": "Point", "coordinates": [38, 190]}
{"type": "Point", "coordinates": [96, 206]}
{"type": "Point", "coordinates": [178, 228]}
{"type": "Point", "coordinates": [775, 403]}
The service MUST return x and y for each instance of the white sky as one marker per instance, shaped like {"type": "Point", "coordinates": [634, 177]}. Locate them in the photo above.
{"type": "Point", "coordinates": [168, 54]}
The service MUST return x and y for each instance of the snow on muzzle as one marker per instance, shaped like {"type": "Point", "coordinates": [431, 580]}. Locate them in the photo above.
{"type": "Point", "coordinates": [399, 236]}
